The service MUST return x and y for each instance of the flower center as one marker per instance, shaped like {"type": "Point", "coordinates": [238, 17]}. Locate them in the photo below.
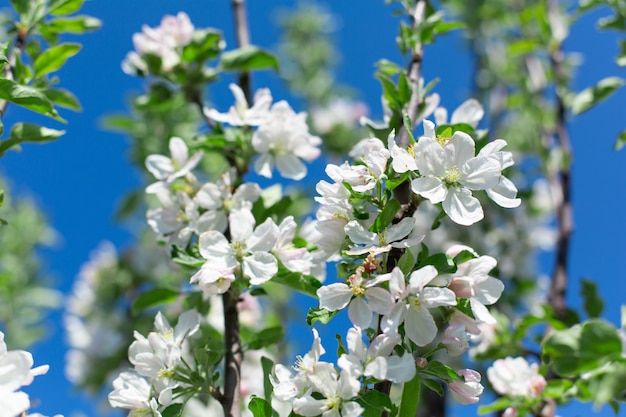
{"type": "Point", "coordinates": [452, 175]}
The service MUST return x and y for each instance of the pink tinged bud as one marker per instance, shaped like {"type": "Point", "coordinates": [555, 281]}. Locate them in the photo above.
{"type": "Point", "coordinates": [456, 339]}
{"type": "Point", "coordinates": [510, 412]}
{"type": "Point", "coordinates": [462, 287]}
{"type": "Point", "coordinates": [467, 391]}
{"type": "Point", "coordinates": [537, 385]}
{"type": "Point", "coordinates": [421, 362]}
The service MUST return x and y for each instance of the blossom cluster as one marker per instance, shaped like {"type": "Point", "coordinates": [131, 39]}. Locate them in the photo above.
{"type": "Point", "coordinates": [148, 389]}
{"type": "Point", "coordinates": [16, 371]}
{"type": "Point", "coordinates": [164, 41]}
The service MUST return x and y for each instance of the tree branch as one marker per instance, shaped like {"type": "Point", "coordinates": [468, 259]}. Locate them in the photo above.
{"type": "Point", "coordinates": [243, 39]}
{"type": "Point", "coordinates": [561, 187]}
{"type": "Point", "coordinates": [234, 356]}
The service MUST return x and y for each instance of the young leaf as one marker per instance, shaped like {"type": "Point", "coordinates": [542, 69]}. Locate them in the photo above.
{"type": "Point", "coordinates": [54, 58]}
{"type": "Point", "coordinates": [410, 397]}
{"type": "Point", "coordinates": [75, 24]}
{"type": "Point", "coordinates": [385, 218]}
{"type": "Point", "coordinates": [621, 141]}
{"type": "Point", "coordinates": [260, 407]}
{"type": "Point", "coordinates": [375, 402]}
{"type": "Point", "coordinates": [591, 96]}
{"type": "Point", "coordinates": [433, 385]}
{"type": "Point", "coordinates": [28, 97]}
{"type": "Point", "coordinates": [266, 337]}
{"type": "Point", "coordinates": [174, 410]}
{"type": "Point", "coordinates": [248, 58]}
{"type": "Point", "coordinates": [319, 314]}
{"type": "Point", "coordinates": [582, 348]}
{"type": "Point", "coordinates": [267, 364]}
{"type": "Point", "coordinates": [153, 298]}
{"type": "Point", "coordinates": [62, 98]}
{"type": "Point", "coordinates": [63, 7]}
{"type": "Point", "coordinates": [28, 132]}
{"type": "Point", "coordinates": [592, 302]}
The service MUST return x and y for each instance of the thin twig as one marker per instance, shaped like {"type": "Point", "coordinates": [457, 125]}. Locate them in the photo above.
{"type": "Point", "coordinates": [8, 68]}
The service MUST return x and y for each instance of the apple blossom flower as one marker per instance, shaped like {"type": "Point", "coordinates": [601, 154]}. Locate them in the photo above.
{"type": "Point", "coordinates": [413, 303]}
{"type": "Point", "coordinates": [284, 140]}
{"type": "Point", "coordinates": [241, 114]}
{"type": "Point", "coordinates": [516, 377]}
{"type": "Point", "coordinates": [16, 371]}
{"type": "Point", "coordinates": [450, 172]}
{"type": "Point", "coordinates": [288, 386]}
{"type": "Point", "coordinates": [391, 237]}
{"type": "Point", "coordinates": [504, 192]}
{"type": "Point", "coordinates": [376, 360]}
{"type": "Point", "coordinates": [456, 339]}
{"type": "Point", "coordinates": [168, 169]}
{"type": "Point", "coordinates": [249, 249]}
{"type": "Point", "coordinates": [219, 199]}
{"type": "Point", "coordinates": [338, 391]}
{"type": "Point", "coordinates": [469, 112]}
{"type": "Point", "coordinates": [471, 281]}
{"type": "Point", "coordinates": [295, 259]}
{"type": "Point", "coordinates": [338, 295]}
{"type": "Point", "coordinates": [466, 391]}
{"type": "Point", "coordinates": [133, 392]}
{"type": "Point", "coordinates": [165, 41]}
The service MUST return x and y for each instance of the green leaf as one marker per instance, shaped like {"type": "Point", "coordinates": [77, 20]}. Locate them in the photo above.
{"type": "Point", "coordinates": [21, 6]}
{"type": "Point", "coordinates": [154, 297]}
{"type": "Point", "coordinates": [260, 407]}
{"type": "Point", "coordinates": [248, 58]}
{"type": "Point", "coordinates": [64, 7]}
{"type": "Point", "coordinates": [433, 385]}
{"type": "Point", "coordinates": [592, 302]}
{"type": "Point", "coordinates": [621, 57]}
{"type": "Point", "coordinates": [305, 284]}
{"type": "Point", "coordinates": [621, 141]}
{"type": "Point", "coordinates": [440, 370]}
{"type": "Point", "coordinates": [406, 263]}
{"type": "Point", "coordinates": [75, 24]}
{"type": "Point", "coordinates": [319, 314]}
{"type": "Point", "coordinates": [205, 45]}
{"type": "Point", "coordinates": [27, 132]}
{"type": "Point", "coordinates": [444, 263]}
{"type": "Point", "coordinates": [28, 97]}
{"type": "Point", "coordinates": [557, 388]}
{"type": "Point", "coordinates": [266, 337]}
{"type": "Point", "coordinates": [174, 410]}
{"type": "Point", "coordinates": [375, 402]}
{"type": "Point", "coordinates": [385, 217]}
{"type": "Point", "coordinates": [497, 405]}
{"type": "Point", "coordinates": [268, 365]}
{"type": "Point", "coordinates": [184, 258]}
{"type": "Point", "coordinates": [582, 348]}
{"type": "Point", "coordinates": [54, 58]}
{"type": "Point", "coordinates": [410, 397]}
{"type": "Point", "coordinates": [62, 98]}
{"type": "Point", "coordinates": [591, 96]}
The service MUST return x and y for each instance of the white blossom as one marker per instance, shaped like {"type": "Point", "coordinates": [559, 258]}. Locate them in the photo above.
{"type": "Point", "coordinates": [167, 169]}
{"type": "Point", "coordinates": [241, 114]}
{"type": "Point", "coordinates": [284, 141]}
{"type": "Point", "coordinates": [414, 300]}
{"type": "Point", "coordinates": [516, 377]}
{"type": "Point", "coordinates": [450, 172]}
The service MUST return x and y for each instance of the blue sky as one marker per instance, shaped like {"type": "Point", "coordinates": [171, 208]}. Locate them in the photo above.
{"type": "Point", "coordinates": [79, 179]}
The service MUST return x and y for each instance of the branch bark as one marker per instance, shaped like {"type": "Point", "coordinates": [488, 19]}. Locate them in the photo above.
{"type": "Point", "coordinates": [243, 39]}
{"type": "Point", "coordinates": [234, 356]}
{"type": "Point", "coordinates": [561, 187]}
